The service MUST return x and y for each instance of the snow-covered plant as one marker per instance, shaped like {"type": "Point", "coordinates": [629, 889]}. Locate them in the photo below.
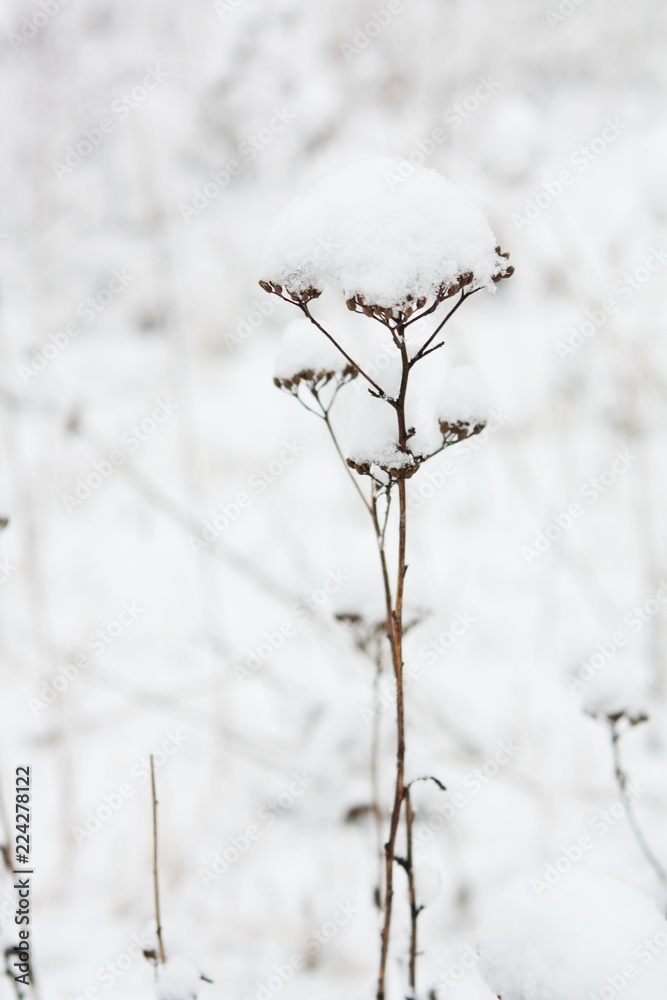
{"type": "Point", "coordinates": [397, 254]}
{"type": "Point", "coordinates": [587, 937]}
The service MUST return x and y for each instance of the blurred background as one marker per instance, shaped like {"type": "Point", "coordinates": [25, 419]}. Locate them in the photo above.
{"type": "Point", "coordinates": [147, 149]}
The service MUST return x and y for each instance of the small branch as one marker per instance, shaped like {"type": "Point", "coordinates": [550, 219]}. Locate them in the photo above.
{"type": "Point", "coordinates": [427, 777]}
{"type": "Point", "coordinates": [622, 782]}
{"type": "Point", "coordinates": [432, 349]}
{"type": "Point", "coordinates": [156, 888]}
{"type": "Point", "coordinates": [423, 350]}
{"type": "Point", "coordinates": [415, 908]}
{"type": "Point", "coordinates": [422, 315]}
{"type": "Point", "coordinates": [375, 772]}
{"type": "Point", "coordinates": [332, 435]}
{"type": "Point", "coordinates": [303, 306]}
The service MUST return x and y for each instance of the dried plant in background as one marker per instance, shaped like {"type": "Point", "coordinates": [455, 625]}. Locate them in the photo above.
{"type": "Point", "coordinates": [621, 722]}
{"type": "Point", "coordinates": [175, 978]}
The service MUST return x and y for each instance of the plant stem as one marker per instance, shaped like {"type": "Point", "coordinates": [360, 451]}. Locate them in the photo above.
{"type": "Point", "coordinates": [395, 629]}
{"type": "Point", "coordinates": [415, 909]}
{"type": "Point", "coordinates": [626, 798]}
{"type": "Point", "coordinates": [156, 888]}
{"type": "Point", "coordinates": [375, 772]}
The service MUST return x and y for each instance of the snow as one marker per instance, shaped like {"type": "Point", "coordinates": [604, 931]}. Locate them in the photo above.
{"type": "Point", "coordinates": [428, 883]}
{"type": "Point", "coordinates": [194, 291]}
{"type": "Point", "coordinates": [178, 980]}
{"type": "Point", "coordinates": [380, 241]}
{"type": "Point", "coordinates": [465, 398]}
{"type": "Point", "coordinates": [305, 350]}
{"type": "Point", "coordinates": [585, 935]}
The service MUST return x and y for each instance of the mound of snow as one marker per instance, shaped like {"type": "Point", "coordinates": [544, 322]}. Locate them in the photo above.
{"type": "Point", "coordinates": [369, 233]}
{"type": "Point", "coordinates": [304, 349]}
{"type": "Point", "coordinates": [178, 980]}
{"type": "Point", "coordinates": [589, 937]}
{"type": "Point", "coordinates": [464, 397]}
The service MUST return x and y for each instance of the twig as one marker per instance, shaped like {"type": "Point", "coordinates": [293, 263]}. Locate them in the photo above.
{"type": "Point", "coordinates": [395, 630]}
{"type": "Point", "coordinates": [415, 908]}
{"type": "Point", "coordinates": [620, 774]}
{"type": "Point", "coordinates": [424, 348]}
{"type": "Point", "coordinates": [156, 888]}
{"type": "Point", "coordinates": [375, 771]}
{"type": "Point", "coordinates": [347, 357]}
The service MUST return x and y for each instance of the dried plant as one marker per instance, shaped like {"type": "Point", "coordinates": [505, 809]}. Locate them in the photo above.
{"type": "Point", "coordinates": [620, 722]}
{"type": "Point", "coordinates": [318, 390]}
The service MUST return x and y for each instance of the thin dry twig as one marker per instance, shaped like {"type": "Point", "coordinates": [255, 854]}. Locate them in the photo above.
{"type": "Point", "coordinates": [156, 886]}
{"type": "Point", "coordinates": [617, 730]}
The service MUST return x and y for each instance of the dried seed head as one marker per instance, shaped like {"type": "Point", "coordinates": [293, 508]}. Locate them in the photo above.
{"type": "Point", "coordinates": [459, 430]}
{"type": "Point", "coordinates": [394, 471]}
{"type": "Point", "coordinates": [504, 272]}
{"type": "Point", "coordinates": [315, 379]}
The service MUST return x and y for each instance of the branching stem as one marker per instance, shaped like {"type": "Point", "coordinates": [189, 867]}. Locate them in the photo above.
{"type": "Point", "coordinates": [394, 605]}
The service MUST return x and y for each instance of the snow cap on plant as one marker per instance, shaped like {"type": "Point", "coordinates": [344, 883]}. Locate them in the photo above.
{"type": "Point", "coordinates": [387, 249]}
{"type": "Point", "coordinates": [463, 409]}
{"type": "Point", "coordinates": [308, 359]}
{"type": "Point", "coordinates": [178, 980]}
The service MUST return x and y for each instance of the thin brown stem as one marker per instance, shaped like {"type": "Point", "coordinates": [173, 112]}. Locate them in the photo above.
{"type": "Point", "coordinates": [306, 311]}
{"type": "Point", "coordinates": [375, 770]}
{"type": "Point", "coordinates": [622, 782]}
{"type": "Point", "coordinates": [395, 616]}
{"type": "Point", "coordinates": [332, 435]}
{"type": "Point", "coordinates": [415, 908]}
{"type": "Point", "coordinates": [162, 958]}
{"type": "Point", "coordinates": [423, 350]}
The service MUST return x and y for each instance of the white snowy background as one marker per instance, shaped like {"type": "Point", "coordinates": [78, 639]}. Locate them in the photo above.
{"type": "Point", "coordinates": [520, 96]}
